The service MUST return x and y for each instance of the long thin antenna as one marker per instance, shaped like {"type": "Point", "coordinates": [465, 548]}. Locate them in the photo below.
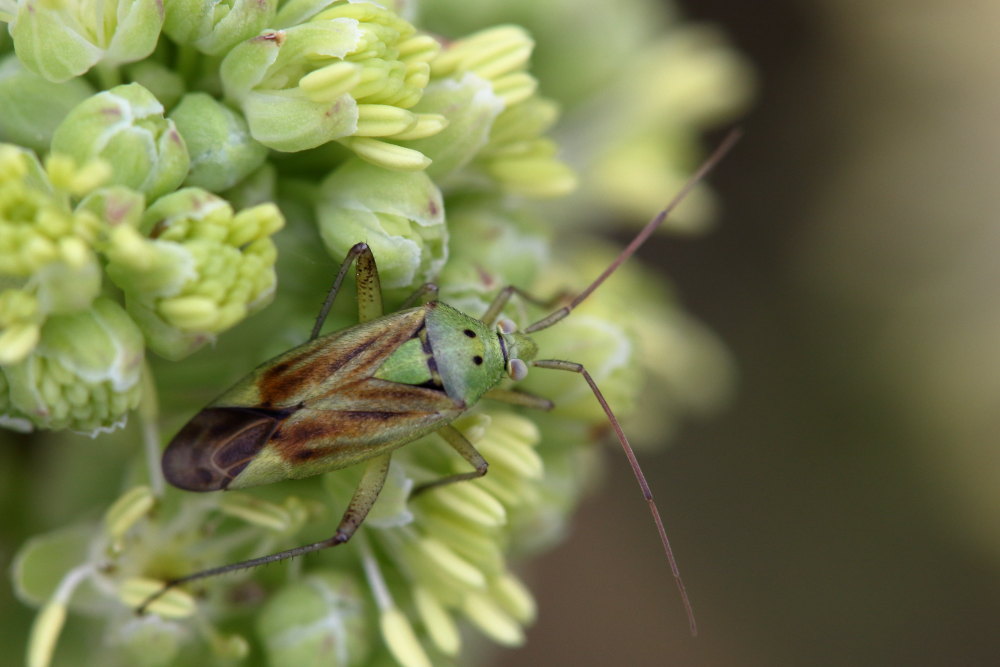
{"type": "Point", "coordinates": [643, 234]}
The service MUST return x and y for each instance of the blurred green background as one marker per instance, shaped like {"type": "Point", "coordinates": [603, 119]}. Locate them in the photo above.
{"type": "Point", "coordinates": [846, 508]}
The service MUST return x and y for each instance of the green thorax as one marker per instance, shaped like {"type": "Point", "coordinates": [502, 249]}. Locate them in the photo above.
{"type": "Point", "coordinates": [454, 351]}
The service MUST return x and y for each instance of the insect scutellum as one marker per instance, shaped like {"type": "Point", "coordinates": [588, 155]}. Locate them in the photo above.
{"type": "Point", "coordinates": [353, 396]}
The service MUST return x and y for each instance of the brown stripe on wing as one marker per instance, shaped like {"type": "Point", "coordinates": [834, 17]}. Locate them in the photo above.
{"type": "Point", "coordinates": [378, 395]}
{"type": "Point", "coordinates": [348, 436]}
{"type": "Point", "coordinates": [331, 362]}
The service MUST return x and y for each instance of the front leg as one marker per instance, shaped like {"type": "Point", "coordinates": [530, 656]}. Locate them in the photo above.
{"type": "Point", "coordinates": [369, 287]}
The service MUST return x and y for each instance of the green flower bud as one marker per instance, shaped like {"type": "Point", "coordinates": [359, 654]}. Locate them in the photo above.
{"type": "Point", "coordinates": [399, 214]}
{"type": "Point", "coordinates": [147, 641]}
{"type": "Point", "coordinates": [47, 265]}
{"type": "Point", "coordinates": [83, 375]}
{"type": "Point", "coordinates": [320, 619]}
{"type": "Point", "coordinates": [605, 347]}
{"type": "Point", "coordinates": [350, 70]}
{"type": "Point", "coordinates": [125, 126]}
{"type": "Point", "coordinates": [471, 107]}
{"type": "Point", "coordinates": [258, 512]}
{"type": "Point", "coordinates": [492, 244]}
{"type": "Point", "coordinates": [61, 40]}
{"type": "Point", "coordinates": [125, 512]}
{"type": "Point", "coordinates": [514, 597]}
{"type": "Point", "coordinates": [496, 54]}
{"type": "Point", "coordinates": [214, 27]}
{"type": "Point", "coordinates": [115, 206]}
{"type": "Point", "coordinates": [483, 89]}
{"type": "Point", "coordinates": [438, 622]}
{"type": "Point", "coordinates": [175, 603]}
{"type": "Point", "coordinates": [220, 146]}
{"type": "Point", "coordinates": [402, 641]}
{"type": "Point", "coordinates": [644, 102]}
{"type": "Point", "coordinates": [194, 268]}
{"type": "Point", "coordinates": [257, 188]}
{"type": "Point", "coordinates": [164, 83]}
{"type": "Point", "coordinates": [522, 160]}
{"type": "Point", "coordinates": [31, 106]}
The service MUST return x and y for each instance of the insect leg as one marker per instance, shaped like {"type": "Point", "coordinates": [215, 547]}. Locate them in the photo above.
{"type": "Point", "coordinates": [501, 299]}
{"type": "Point", "coordinates": [461, 445]}
{"type": "Point", "coordinates": [364, 497]}
{"type": "Point", "coordinates": [369, 288]}
{"type": "Point", "coordinates": [425, 293]}
{"type": "Point", "coordinates": [522, 398]}
{"type": "Point", "coordinates": [640, 478]}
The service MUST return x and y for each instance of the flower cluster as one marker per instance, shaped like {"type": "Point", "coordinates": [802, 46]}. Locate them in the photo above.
{"type": "Point", "coordinates": [163, 164]}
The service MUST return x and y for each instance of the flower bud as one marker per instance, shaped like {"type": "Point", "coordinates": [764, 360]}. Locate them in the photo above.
{"type": "Point", "coordinates": [402, 640]}
{"type": "Point", "coordinates": [498, 129]}
{"type": "Point", "coordinates": [125, 512]}
{"type": "Point", "coordinates": [492, 244]}
{"type": "Point", "coordinates": [194, 268]}
{"type": "Point", "coordinates": [319, 619]}
{"type": "Point", "coordinates": [399, 214]}
{"type": "Point", "coordinates": [47, 265]}
{"type": "Point", "coordinates": [61, 40]}
{"type": "Point", "coordinates": [31, 106]}
{"type": "Point", "coordinates": [470, 107]}
{"type": "Point", "coordinates": [220, 146]}
{"type": "Point", "coordinates": [213, 27]}
{"type": "Point", "coordinates": [489, 617]}
{"type": "Point", "coordinates": [125, 126]}
{"type": "Point", "coordinates": [175, 603]}
{"type": "Point", "coordinates": [258, 187]}
{"type": "Point", "coordinates": [162, 81]}
{"type": "Point", "coordinates": [148, 640]}
{"type": "Point", "coordinates": [83, 375]}
{"type": "Point", "coordinates": [351, 69]}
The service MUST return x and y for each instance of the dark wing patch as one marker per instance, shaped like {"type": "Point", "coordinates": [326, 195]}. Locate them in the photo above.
{"type": "Point", "coordinates": [216, 445]}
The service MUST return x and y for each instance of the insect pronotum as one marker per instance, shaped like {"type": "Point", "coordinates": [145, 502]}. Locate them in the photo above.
{"type": "Point", "coordinates": [355, 395]}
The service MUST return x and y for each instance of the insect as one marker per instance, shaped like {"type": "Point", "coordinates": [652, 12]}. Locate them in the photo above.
{"type": "Point", "coordinates": [353, 396]}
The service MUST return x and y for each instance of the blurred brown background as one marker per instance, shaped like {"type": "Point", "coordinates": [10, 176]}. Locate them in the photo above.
{"type": "Point", "coordinates": [846, 508]}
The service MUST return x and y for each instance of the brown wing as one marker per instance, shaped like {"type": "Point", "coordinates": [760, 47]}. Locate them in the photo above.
{"type": "Point", "coordinates": [357, 422]}
{"type": "Point", "coordinates": [327, 365]}
{"type": "Point", "coordinates": [313, 409]}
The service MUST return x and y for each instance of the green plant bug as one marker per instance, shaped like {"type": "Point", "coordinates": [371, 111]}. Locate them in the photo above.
{"type": "Point", "coordinates": [353, 396]}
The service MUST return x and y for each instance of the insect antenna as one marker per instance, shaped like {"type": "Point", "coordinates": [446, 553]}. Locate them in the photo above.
{"type": "Point", "coordinates": [574, 367]}
{"type": "Point", "coordinates": [644, 233]}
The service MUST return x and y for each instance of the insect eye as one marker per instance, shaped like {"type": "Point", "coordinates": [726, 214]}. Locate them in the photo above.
{"type": "Point", "coordinates": [506, 326]}
{"type": "Point", "coordinates": [517, 369]}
